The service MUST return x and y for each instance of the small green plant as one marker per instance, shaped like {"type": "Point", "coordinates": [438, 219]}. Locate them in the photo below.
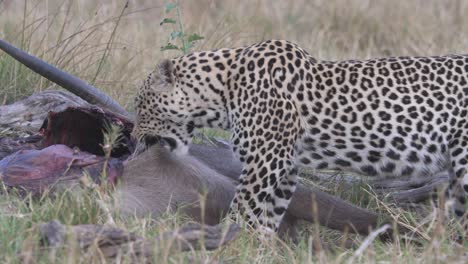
{"type": "Point", "coordinates": [185, 40]}
{"type": "Point", "coordinates": [178, 34]}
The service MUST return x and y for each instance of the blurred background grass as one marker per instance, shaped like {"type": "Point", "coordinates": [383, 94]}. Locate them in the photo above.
{"type": "Point", "coordinates": [78, 35]}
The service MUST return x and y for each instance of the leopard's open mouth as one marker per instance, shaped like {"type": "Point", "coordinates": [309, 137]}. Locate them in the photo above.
{"type": "Point", "coordinates": [167, 141]}
{"type": "Point", "coordinates": [150, 140]}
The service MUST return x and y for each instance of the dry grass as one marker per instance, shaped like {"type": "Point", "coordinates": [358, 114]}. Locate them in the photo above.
{"type": "Point", "coordinates": [115, 46]}
{"type": "Point", "coordinates": [75, 35]}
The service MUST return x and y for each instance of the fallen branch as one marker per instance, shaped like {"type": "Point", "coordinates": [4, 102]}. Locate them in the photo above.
{"type": "Point", "coordinates": [28, 114]}
{"type": "Point", "coordinates": [113, 242]}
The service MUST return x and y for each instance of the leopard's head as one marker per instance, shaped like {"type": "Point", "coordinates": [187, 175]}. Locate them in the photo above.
{"type": "Point", "coordinates": [164, 109]}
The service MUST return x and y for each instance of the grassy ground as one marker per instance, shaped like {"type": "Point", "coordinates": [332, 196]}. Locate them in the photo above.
{"type": "Point", "coordinates": [114, 46]}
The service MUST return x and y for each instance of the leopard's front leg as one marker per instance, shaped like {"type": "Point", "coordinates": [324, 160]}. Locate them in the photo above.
{"type": "Point", "coordinates": [269, 176]}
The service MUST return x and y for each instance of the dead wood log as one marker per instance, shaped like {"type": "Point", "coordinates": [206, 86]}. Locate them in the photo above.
{"type": "Point", "coordinates": [63, 118]}
{"type": "Point", "coordinates": [28, 114]}
{"type": "Point", "coordinates": [113, 242]}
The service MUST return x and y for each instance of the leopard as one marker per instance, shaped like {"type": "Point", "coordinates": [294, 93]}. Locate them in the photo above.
{"type": "Point", "coordinates": [388, 117]}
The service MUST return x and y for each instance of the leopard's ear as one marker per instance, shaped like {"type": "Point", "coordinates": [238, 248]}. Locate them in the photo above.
{"type": "Point", "coordinates": [161, 79]}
